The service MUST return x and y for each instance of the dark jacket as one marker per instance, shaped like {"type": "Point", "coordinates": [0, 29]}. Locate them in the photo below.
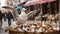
{"type": "Point", "coordinates": [1, 15]}
{"type": "Point", "coordinates": [9, 15]}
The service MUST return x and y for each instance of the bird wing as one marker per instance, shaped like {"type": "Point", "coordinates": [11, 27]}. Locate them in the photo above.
{"type": "Point", "coordinates": [31, 13]}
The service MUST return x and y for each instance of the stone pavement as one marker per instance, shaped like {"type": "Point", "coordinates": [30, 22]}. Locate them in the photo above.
{"type": "Point", "coordinates": [3, 32]}
{"type": "Point", "coordinates": [5, 24]}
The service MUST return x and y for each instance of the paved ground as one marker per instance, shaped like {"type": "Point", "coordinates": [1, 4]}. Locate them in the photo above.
{"type": "Point", "coordinates": [5, 24]}
{"type": "Point", "coordinates": [3, 32]}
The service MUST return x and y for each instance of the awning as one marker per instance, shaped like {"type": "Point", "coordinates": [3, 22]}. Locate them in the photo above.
{"type": "Point", "coordinates": [33, 2]}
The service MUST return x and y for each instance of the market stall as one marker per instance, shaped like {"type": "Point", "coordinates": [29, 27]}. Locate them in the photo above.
{"type": "Point", "coordinates": [33, 2]}
{"type": "Point", "coordinates": [35, 27]}
{"type": "Point", "coordinates": [45, 6]}
{"type": "Point", "coordinates": [46, 22]}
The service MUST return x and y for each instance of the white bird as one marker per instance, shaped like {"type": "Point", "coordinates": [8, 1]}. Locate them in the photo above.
{"type": "Point", "coordinates": [22, 18]}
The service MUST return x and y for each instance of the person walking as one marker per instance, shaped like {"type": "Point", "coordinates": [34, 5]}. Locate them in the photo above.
{"type": "Point", "coordinates": [9, 17]}
{"type": "Point", "coordinates": [0, 19]}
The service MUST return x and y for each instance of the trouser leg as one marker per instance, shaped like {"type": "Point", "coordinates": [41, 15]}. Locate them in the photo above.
{"type": "Point", "coordinates": [0, 23]}
{"type": "Point", "coordinates": [9, 22]}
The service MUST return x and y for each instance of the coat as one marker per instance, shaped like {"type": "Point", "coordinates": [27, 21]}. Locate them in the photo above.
{"type": "Point", "coordinates": [9, 15]}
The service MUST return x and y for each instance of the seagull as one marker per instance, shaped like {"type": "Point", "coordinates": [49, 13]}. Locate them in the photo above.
{"type": "Point", "coordinates": [22, 18]}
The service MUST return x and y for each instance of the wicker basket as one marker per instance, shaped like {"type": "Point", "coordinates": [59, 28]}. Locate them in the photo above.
{"type": "Point", "coordinates": [56, 32]}
{"type": "Point", "coordinates": [15, 32]}
{"type": "Point", "coordinates": [37, 33]}
{"type": "Point", "coordinates": [33, 33]}
{"type": "Point", "coordinates": [59, 32]}
{"type": "Point", "coordinates": [30, 33]}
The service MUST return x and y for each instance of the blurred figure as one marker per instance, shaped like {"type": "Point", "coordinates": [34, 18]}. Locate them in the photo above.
{"type": "Point", "coordinates": [9, 17]}
{"type": "Point", "coordinates": [4, 16]}
{"type": "Point", "coordinates": [0, 19]}
{"type": "Point", "coordinates": [4, 20]}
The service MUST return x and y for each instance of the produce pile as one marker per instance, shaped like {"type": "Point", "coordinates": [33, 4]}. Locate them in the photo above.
{"type": "Point", "coordinates": [48, 17]}
{"type": "Point", "coordinates": [51, 24]}
{"type": "Point", "coordinates": [37, 26]}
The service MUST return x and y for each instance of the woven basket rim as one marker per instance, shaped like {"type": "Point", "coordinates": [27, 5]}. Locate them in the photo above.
{"type": "Point", "coordinates": [32, 32]}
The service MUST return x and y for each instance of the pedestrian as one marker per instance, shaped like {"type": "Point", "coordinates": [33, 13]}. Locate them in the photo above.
{"type": "Point", "coordinates": [0, 19]}
{"type": "Point", "coordinates": [9, 17]}
{"type": "Point", "coordinates": [4, 23]}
